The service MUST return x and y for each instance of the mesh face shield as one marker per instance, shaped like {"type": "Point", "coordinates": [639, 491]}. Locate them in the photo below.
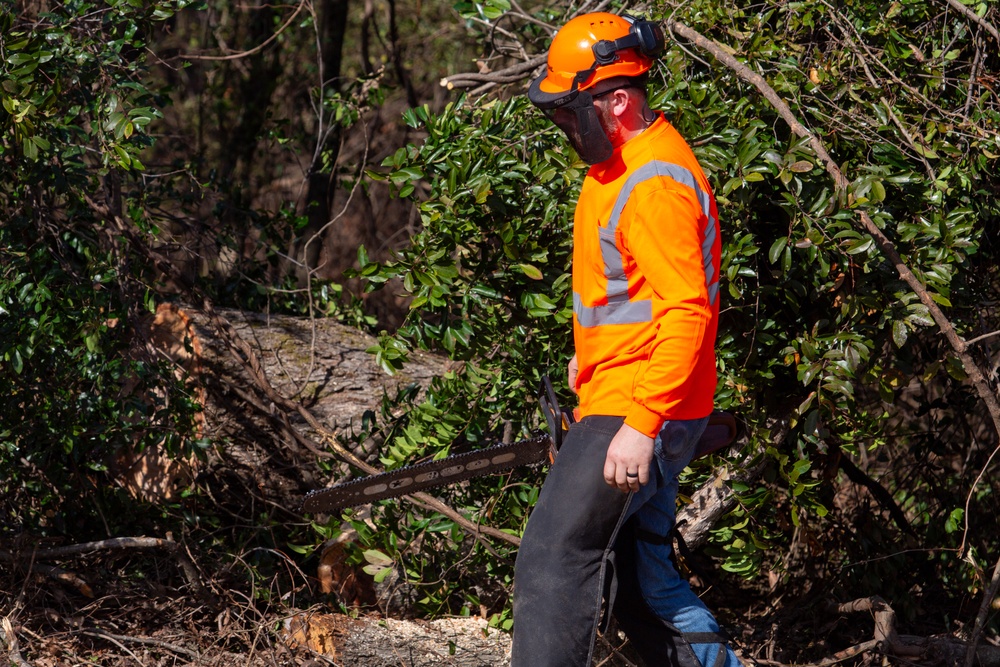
{"type": "Point", "coordinates": [573, 112]}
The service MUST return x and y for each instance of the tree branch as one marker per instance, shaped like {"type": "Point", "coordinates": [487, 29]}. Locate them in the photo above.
{"type": "Point", "coordinates": [256, 49]}
{"type": "Point", "coordinates": [506, 75]}
{"type": "Point", "coordinates": [983, 337]}
{"type": "Point", "coordinates": [883, 242]}
{"type": "Point", "coordinates": [975, 18]}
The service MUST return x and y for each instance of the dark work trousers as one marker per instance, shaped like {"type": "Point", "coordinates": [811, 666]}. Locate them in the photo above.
{"type": "Point", "coordinates": [566, 563]}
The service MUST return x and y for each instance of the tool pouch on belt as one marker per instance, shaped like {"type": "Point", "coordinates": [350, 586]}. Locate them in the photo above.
{"type": "Point", "coordinates": [657, 641]}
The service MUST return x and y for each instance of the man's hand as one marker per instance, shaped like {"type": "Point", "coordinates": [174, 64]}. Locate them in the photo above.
{"type": "Point", "coordinates": [572, 369]}
{"type": "Point", "coordinates": [629, 457]}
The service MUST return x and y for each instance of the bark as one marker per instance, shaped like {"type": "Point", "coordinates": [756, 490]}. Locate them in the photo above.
{"type": "Point", "coordinates": [321, 190]}
{"type": "Point", "coordinates": [319, 362]}
{"type": "Point", "coordinates": [256, 83]}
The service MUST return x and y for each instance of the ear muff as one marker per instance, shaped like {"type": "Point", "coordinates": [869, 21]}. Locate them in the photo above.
{"type": "Point", "coordinates": [644, 36]}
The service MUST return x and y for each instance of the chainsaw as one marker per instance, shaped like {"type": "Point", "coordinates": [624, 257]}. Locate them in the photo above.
{"type": "Point", "coordinates": [721, 431]}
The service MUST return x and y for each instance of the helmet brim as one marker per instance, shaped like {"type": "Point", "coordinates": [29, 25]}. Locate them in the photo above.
{"type": "Point", "coordinates": [550, 100]}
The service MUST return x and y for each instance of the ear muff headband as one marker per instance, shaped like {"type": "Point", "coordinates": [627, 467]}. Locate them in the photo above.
{"type": "Point", "coordinates": [644, 36]}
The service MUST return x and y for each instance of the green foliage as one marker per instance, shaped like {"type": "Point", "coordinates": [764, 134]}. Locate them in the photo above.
{"type": "Point", "coordinates": [490, 262]}
{"type": "Point", "coordinates": [73, 122]}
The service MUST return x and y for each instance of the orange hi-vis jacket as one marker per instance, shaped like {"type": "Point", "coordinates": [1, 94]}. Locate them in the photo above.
{"type": "Point", "coordinates": [646, 254]}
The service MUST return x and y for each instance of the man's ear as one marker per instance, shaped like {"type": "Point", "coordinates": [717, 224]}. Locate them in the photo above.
{"type": "Point", "coordinates": [621, 102]}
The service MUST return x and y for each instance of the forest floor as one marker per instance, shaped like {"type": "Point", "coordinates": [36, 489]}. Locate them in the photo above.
{"type": "Point", "coordinates": [155, 605]}
{"type": "Point", "coordinates": [121, 606]}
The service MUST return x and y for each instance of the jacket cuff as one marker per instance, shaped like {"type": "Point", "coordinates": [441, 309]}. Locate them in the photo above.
{"type": "Point", "coordinates": [644, 420]}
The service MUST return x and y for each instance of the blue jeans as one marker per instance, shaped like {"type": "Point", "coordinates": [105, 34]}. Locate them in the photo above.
{"type": "Point", "coordinates": [564, 566]}
{"type": "Point", "coordinates": [654, 508]}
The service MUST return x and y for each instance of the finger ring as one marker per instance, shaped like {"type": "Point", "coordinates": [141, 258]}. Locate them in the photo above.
{"type": "Point", "coordinates": [631, 474]}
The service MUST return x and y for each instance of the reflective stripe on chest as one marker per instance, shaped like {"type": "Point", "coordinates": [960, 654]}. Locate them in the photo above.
{"type": "Point", "coordinates": [620, 309]}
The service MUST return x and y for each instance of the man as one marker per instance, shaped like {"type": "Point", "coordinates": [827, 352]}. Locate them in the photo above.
{"type": "Point", "coordinates": [645, 301]}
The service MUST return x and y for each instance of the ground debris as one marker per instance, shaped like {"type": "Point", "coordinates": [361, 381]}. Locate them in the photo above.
{"type": "Point", "coordinates": [377, 642]}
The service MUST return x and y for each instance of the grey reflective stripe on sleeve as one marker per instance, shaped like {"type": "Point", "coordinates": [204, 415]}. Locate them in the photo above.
{"type": "Point", "coordinates": [619, 312]}
{"type": "Point", "coordinates": [620, 309]}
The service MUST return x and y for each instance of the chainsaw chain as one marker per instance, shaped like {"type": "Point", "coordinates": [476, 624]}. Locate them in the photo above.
{"type": "Point", "coordinates": [430, 474]}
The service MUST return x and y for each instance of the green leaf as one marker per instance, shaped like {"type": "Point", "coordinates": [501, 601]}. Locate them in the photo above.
{"type": "Point", "coordinates": [899, 333]}
{"type": "Point", "coordinates": [530, 271]}
{"type": "Point", "coordinates": [776, 249]}
{"type": "Point", "coordinates": [376, 557]}
{"type": "Point", "coordinates": [859, 246]}
{"type": "Point", "coordinates": [954, 521]}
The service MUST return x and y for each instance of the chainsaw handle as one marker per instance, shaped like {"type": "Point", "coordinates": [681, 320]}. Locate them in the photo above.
{"type": "Point", "coordinates": [720, 432]}
{"type": "Point", "coordinates": [557, 419]}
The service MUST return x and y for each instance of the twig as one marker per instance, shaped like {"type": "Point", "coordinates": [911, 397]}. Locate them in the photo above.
{"type": "Point", "coordinates": [9, 640]}
{"type": "Point", "coordinates": [909, 137]}
{"type": "Point", "coordinates": [145, 641]}
{"type": "Point", "coordinates": [256, 49]}
{"type": "Point", "coordinates": [111, 638]}
{"type": "Point", "coordinates": [983, 337]}
{"type": "Point", "coordinates": [973, 73]}
{"type": "Point", "coordinates": [850, 652]}
{"type": "Point", "coordinates": [984, 609]}
{"type": "Point", "coordinates": [975, 18]}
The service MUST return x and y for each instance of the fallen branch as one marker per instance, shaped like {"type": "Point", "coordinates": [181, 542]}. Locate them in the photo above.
{"type": "Point", "coordinates": [104, 545]}
{"type": "Point", "coordinates": [906, 649]}
{"type": "Point", "coordinates": [885, 245]}
{"type": "Point", "coordinates": [8, 640]}
{"type": "Point", "coordinates": [943, 650]}
{"type": "Point", "coordinates": [144, 641]}
{"type": "Point", "coordinates": [52, 572]}
{"type": "Point", "coordinates": [187, 567]}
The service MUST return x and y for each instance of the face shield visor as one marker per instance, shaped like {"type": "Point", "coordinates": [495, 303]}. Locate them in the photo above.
{"type": "Point", "coordinates": [574, 113]}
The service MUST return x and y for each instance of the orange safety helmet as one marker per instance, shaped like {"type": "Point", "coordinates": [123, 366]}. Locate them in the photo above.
{"type": "Point", "coordinates": [592, 48]}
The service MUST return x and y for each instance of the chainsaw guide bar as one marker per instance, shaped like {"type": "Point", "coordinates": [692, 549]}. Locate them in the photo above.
{"type": "Point", "coordinates": [411, 479]}
{"type": "Point", "coordinates": [720, 432]}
